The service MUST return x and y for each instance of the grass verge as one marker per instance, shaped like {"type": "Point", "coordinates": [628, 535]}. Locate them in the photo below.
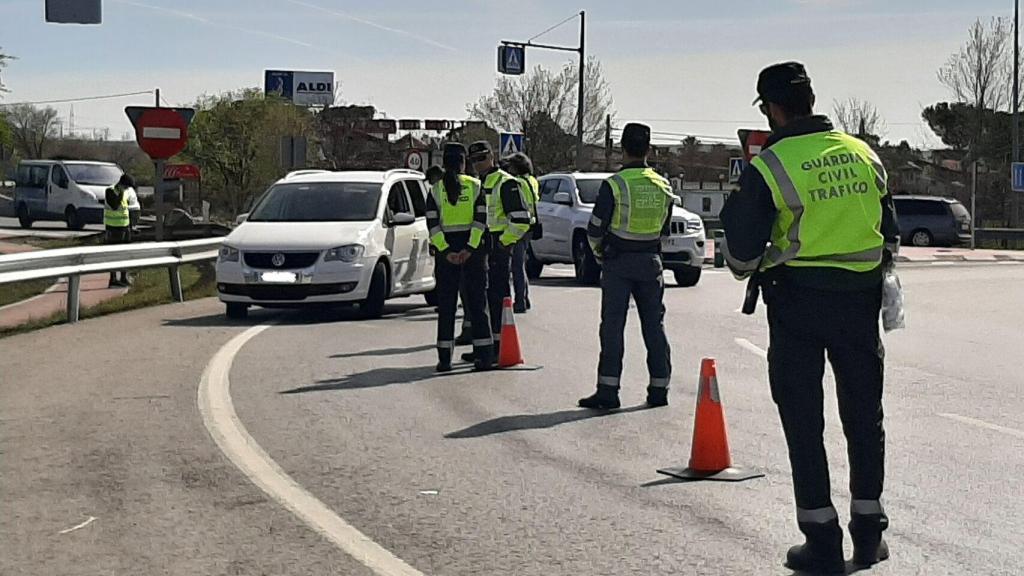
{"type": "Point", "coordinates": [18, 291]}
{"type": "Point", "coordinates": [151, 288]}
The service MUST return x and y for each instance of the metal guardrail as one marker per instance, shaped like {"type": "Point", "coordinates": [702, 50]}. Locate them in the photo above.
{"type": "Point", "coordinates": [74, 262]}
{"type": "Point", "coordinates": [1000, 234]}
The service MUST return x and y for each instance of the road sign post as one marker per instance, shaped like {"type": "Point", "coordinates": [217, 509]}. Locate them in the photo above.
{"type": "Point", "coordinates": [161, 133]}
{"type": "Point", "coordinates": [510, 144]}
{"type": "Point", "coordinates": [736, 166]}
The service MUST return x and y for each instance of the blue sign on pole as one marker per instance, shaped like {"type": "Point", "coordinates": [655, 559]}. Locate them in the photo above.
{"type": "Point", "coordinates": [1017, 176]}
{"type": "Point", "coordinates": [511, 60]}
{"type": "Point", "coordinates": [510, 144]}
{"type": "Point", "coordinates": [736, 166]}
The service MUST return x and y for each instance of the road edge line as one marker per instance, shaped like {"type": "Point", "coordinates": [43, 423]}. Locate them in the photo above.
{"type": "Point", "coordinates": [982, 424]}
{"type": "Point", "coordinates": [234, 441]}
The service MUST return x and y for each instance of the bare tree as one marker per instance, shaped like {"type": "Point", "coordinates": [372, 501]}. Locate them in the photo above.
{"type": "Point", "coordinates": [32, 129]}
{"type": "Point", "coordinates": [516, 102]}
{"type": "Point", "coordinates": [860, 117]}
{"type": "Point", "coordinates": [4, 58]}
{"type": "Point", "coordinates": [977, 74]}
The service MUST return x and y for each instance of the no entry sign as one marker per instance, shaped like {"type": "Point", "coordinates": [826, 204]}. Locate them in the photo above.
{"type": "Point", "coordinates": [160, 132]}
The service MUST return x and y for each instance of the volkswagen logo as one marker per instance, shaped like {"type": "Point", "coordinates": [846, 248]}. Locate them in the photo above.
{"type": "Point", "coordinates": [278, 260]}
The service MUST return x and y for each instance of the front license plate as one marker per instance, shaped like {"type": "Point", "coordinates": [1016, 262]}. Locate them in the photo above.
{"type": "Point", "coordinates": [278, 277]}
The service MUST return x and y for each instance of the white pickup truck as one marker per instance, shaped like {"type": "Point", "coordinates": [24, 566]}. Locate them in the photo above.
{"type": "Point", "coordinates": [566, 201]}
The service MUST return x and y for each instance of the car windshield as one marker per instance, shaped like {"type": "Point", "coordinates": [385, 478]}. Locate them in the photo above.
{"type": "Point", "coordinates": [318, 202]}
{"type": "Point", "coordinates": [588, 190]}
{"type": "Point", "coordinates": [93, 174]}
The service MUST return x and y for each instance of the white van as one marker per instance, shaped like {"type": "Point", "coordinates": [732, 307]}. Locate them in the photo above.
{"type": "Point", "coordinates": [71, 191]}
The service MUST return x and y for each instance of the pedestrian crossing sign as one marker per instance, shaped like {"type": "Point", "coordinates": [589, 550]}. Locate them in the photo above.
{"type": "Point", "coordinates": [511, 60]}
{"type": "Point", "coordinates": [736, 166]}
{"type": "Point", "coordinates": [510, 144]}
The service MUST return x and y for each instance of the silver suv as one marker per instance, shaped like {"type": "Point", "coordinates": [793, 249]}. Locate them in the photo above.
{"type": "Point", "coordinates": [566, 201]}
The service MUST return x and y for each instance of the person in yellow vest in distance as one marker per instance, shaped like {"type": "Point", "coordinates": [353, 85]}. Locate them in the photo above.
{"type": "Point", "coordinates": [456, 213]}
{"type": "Point", "coordinates": [521, 167]}
{"type": "Point", "coordinates": [508, 221]}
{"type": "Point", "coordinates": [817, 198]}
{"type": "Point", "coordinates": [632, 213]}
{"type": "Point", "coordinates": [117, 220]}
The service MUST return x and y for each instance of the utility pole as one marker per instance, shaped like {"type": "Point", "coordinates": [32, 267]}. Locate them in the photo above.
{"type": "Point", "coordinates": [581, 50]}
{"type": "Point", "coordinates": [580, 108]}
{"type": "Point", "coordinates": [608, 143]}
{"type": "Point", "coordinates": [1015, 221]}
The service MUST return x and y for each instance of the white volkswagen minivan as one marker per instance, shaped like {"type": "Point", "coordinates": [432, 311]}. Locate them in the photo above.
{"type": "Point", "coordinates": [71, 191]}
{"type": "Point", "coordinates": [319, 237]}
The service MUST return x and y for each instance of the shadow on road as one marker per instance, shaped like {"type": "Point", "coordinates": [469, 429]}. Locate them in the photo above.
{"type": "Point", "coordinates": [305, 316]}
{"type": "Point", "coordinates": [371, 379]}
{"type": "Point", "coordinates": [534, 422]}
{"type": "Point", "coordinates": [386, 352]}
{"type": "Point", "coordinates": [563, 282]}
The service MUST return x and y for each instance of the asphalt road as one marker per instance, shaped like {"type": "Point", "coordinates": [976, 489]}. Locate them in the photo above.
{"type": "Point", "coordinates": [486, 474]}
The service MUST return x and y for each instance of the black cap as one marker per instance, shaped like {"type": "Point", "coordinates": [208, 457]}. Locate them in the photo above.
{"type": "Point", "coordinates": [637, 134]}
{"type": "Point", "coordinates": [454, 149]}
{"type": "Point", "coordinates": [779, 81]}
{"type": "Point", "coordinates": [478, 150]}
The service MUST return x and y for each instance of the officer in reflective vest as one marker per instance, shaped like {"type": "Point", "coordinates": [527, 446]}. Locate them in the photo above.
{"type": "Point", "coordinates": [117, 220]}
{"type": "Point", "coordinates": [508, 221]}
{"type": "Point", "coordinates": [632, 214]}
{"type": "Point", "coordinates": [817, 197]}
{"type": "Point", "coordinates": [521, 167]}
{"type": "Point", "coordinates": [457, 217]}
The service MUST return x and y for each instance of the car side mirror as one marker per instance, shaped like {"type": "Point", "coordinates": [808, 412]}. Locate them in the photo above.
{"type": "Point", "coordinates": [402, 219]}
{"type": "Point", "coordinates": [563, 198]}
{"type": "Point", "coordinates": [241, 218]}
{"type": "Point", "coordinates": [677, 201]}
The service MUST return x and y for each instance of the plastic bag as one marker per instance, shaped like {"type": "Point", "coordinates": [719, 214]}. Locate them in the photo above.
{"type": "Point", "coordinates": [893, 317]}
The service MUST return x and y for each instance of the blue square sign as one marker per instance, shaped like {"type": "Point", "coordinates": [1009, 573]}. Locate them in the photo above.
{"type": "Point", "coordinates": [511, 60]}
{"type": "Point", "coordinates": [1017, 176]}
{"type": "Point", "coordinates": [510, 144]}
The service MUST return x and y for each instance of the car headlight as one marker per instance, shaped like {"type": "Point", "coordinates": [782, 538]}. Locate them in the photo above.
{"type": "Point", "coordinates": [227, 254]}
{"type": "Point", "coordinates": [694, 225]}
{"type": "Point", "coordinates": [349, 253]}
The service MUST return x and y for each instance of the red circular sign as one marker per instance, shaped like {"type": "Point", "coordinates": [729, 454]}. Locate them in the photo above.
{"type": "Point", "coordinates": [161, 132]}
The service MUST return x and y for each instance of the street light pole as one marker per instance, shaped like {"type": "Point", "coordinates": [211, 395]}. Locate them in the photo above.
{"type": "Point", "coordinates": [580, 108]}
{"type": "Point", "coordinates": [1015, 221]}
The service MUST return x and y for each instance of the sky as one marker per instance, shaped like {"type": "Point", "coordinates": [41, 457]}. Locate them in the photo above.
{"type": "Point", "coordinates": [684, 67]}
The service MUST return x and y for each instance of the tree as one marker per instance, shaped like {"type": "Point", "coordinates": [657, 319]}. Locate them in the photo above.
{"type": "Point", "coordinates": [32, 129]}
{"type": "Point", "coordinates": [4, 58]}
{"type": "Point", "coordinates": [236, 139]}
{"type": "Point", "coordinates": [527, 102]}
{"type": "Point", "coordinates": [977, 74]}
{"type": "Point", "coordinates": [860, 117]}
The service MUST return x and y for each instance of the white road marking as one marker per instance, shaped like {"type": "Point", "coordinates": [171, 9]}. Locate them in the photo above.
{"type": "Point", "coordinates": [79, 526]}
{"type": "Point", "coordinates": [222, 422]}
{"type": "Point", "coordinates": [751, 347]}
{"type": "Point", "coordinates": [986, 425]}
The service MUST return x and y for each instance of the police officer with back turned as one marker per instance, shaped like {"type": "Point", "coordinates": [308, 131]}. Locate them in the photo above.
{"type": "Point", "coordinates": [633, 212]}
{"type": "Point", "coordinates": [457, 218]}
{"type": "Point", "coordinates": [817, 197]}
{"type": "Point", "coordinates": [508, 220]}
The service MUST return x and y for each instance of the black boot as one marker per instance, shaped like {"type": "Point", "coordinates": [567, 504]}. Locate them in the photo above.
{"type": "Point", "coordinates": [869, 548]}
{"type": "Point", "coordinates": [606, 398]}
{"type": "Point", "coordinates": [444, 360]}
{"type": "Point", "coordinates": [464, 339]}
{"type": "Point", "coordinates": [657, 397]}
{"type": "Point", "coordinates": [822, 553]}
{"type": "Point", "coordinates": [483, 359]}
{"type": "Point", "coordinates": [469, 357]}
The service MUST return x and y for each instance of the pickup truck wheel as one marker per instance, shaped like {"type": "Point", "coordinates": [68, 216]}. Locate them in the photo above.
{"type": "Point", "coordinates": [688, 276]}
{"type": "Point", "coordinates": [534, 267]}
{"type": "Point", "coordinates": [24, 218]}
{"type": "Point", "coordinates": [588, 271]}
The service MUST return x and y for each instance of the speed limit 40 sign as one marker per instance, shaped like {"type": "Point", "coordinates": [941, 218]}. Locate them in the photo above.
{"type": "Point", "coordinates": [414, 160]}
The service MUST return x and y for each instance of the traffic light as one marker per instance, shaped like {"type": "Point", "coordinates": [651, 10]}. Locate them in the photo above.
{"type": "Point", "coordinates": [74, 11]}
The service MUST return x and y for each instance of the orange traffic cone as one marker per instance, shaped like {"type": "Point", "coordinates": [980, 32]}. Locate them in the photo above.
{"type": "Point", "coordinates": [709, 454]}
{"type": "Point", "coordinates": [510, 353]}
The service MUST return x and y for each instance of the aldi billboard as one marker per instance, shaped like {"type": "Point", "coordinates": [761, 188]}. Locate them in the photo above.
{"type": "Point", "coordinates": [301, 88]}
